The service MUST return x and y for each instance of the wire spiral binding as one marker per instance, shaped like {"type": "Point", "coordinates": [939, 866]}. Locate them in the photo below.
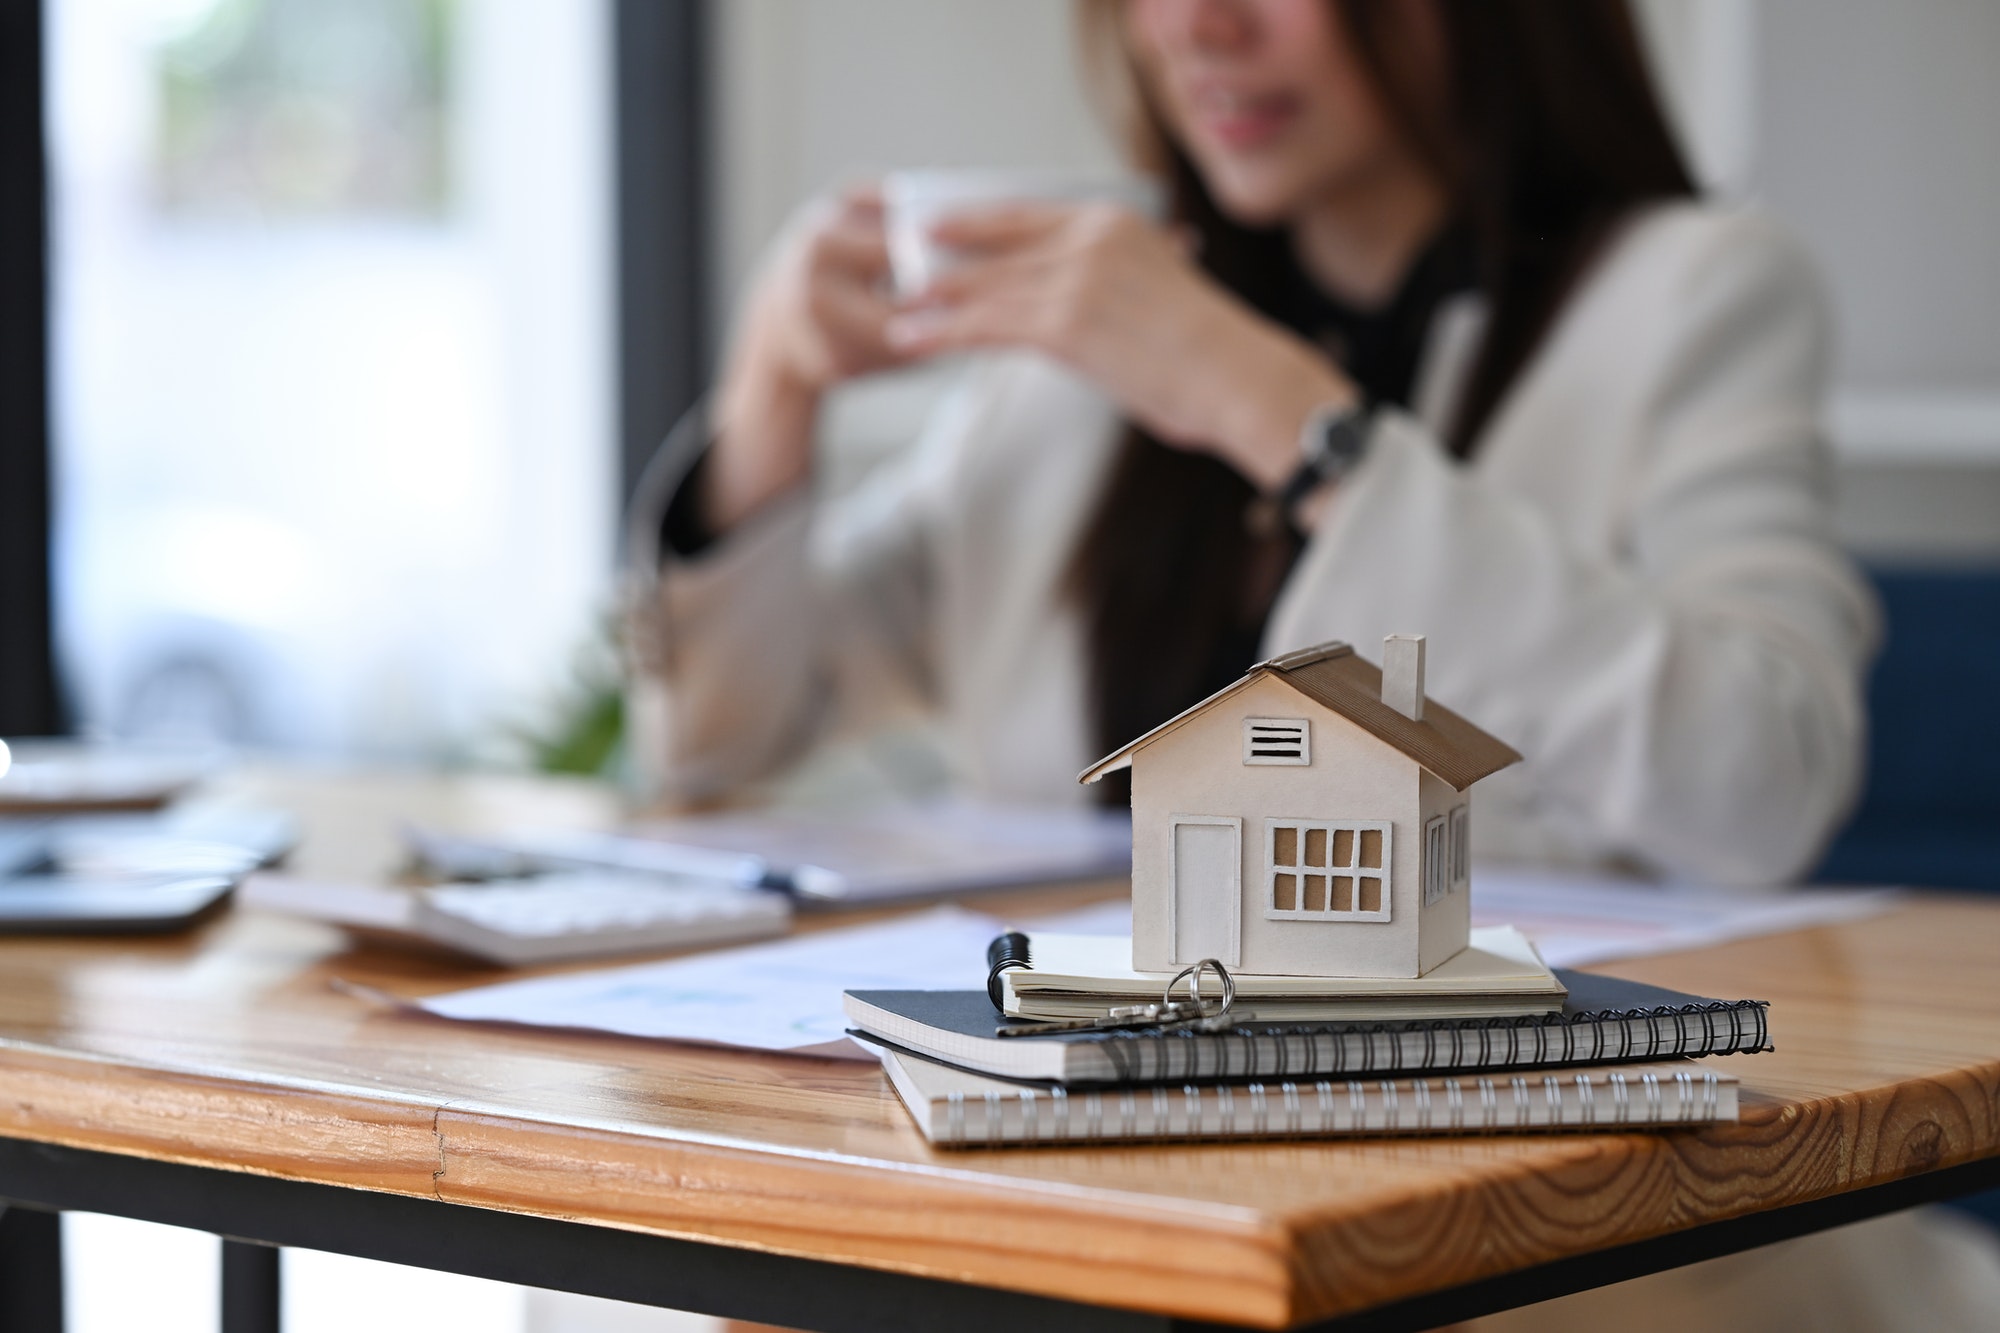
{"type": "Point", "coordinates": [1446, 1044]}
{"type": "Point", "coordinates": [1471, 1103]}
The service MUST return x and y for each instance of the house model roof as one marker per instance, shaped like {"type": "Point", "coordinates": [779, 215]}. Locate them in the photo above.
{"type": "Point", "coordinates": [1334, 675]}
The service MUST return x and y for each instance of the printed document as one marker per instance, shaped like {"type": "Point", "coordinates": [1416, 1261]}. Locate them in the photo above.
{"type": "Point", "coordinates": [786, 996]}
{"type": "Point", "coordinates": [767, 997]}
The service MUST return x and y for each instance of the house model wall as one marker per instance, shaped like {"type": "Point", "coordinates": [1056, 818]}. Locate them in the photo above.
{"type": "Point", "coordinates": [1300, 823]}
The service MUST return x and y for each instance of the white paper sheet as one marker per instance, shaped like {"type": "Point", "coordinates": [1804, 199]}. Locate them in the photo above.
{"type": "Point", "coordinates": [767, 997]}
{"type": "Point", "coordinates": [851, 857]}
{"type": "Point", "coordinates": [947, 847]}
{"type": "Point", "coordinates": [1577, 920]}
{"type": "Point", "coordinates": [785, 996]}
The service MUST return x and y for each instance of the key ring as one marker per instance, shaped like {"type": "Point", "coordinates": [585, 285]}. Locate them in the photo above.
{"type": "Point", "coordinates": [1193, 974]}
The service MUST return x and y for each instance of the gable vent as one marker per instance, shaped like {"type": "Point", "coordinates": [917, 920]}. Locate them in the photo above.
{"type": "Point", "coordinates": [1277, 740]}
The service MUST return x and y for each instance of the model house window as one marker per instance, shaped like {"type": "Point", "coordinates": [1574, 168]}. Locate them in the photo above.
{"type": "Point", "coordinates": [1447, 854]}
{"type": "Point", "coordinates": [1327, 872]}
{"type": "Point", "coordinates": [1277, 740]}
{"type": "Point", "coordinates": [1437, 860]}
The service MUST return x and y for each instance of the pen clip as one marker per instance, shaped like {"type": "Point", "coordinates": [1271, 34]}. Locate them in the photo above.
{"type": "Point", "coordinates": [1006, 951]}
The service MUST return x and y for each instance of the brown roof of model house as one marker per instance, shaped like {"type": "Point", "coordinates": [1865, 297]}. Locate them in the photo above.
{"type": "Point", "coordinates": [1334, 675]}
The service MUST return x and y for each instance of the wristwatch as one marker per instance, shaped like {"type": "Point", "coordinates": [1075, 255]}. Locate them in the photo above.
{"type": "Point", "coordinates": [1332, 442]}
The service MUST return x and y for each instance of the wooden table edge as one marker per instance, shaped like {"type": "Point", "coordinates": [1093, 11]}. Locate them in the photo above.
{"type": "Point", "coordinates": [1272, 1269]}
{"type": "Point", "coordinates": [1300, 1265]}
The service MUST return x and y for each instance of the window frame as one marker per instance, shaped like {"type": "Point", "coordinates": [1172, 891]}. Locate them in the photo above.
{"type": "Point", "coordinates": [1437, 860]}
{"type": "Point", "coordinates": [30, 703]}
{"type": "Point", "coordinates": [1447, 853]}
{"type": "Point", "coordinates": [661, 122]}
{"type": "Point", "coordinates": [1301, 826]}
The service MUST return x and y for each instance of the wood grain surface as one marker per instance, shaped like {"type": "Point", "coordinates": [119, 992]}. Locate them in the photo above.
{"type": "Point", "coordinates": [228, 1047]}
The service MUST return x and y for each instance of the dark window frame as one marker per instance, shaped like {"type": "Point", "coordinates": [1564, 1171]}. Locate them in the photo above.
{"type": "Point", "coordinates": [661, 115]}
{"type": "Point", "coordinates": [29, 702]}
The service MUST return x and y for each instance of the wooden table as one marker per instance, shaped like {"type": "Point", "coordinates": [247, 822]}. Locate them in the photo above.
{"type": "Point", "coordinates": [217, 1080]}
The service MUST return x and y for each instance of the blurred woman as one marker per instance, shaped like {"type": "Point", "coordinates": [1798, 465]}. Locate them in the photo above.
{"type": "Point", "coordinates": [1439, 341]}
{"type": "Point", "coordinates": [1578, 413]}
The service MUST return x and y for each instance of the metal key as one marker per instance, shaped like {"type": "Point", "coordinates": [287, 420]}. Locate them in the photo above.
{"type": "Point", "coordinates": [1167, 1014]}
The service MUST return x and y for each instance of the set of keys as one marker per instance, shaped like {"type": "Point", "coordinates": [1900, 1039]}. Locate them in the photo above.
{"type": "Point", "coordinates": [1194, 1013]}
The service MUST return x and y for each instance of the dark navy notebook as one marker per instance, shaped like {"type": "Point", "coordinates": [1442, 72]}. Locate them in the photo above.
{"type": "Point", "coordinates": [1603, 1021]}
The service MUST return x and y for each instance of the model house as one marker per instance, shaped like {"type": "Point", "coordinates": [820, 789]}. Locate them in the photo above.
{"type": "Point", "coordinates": [1312, 819]}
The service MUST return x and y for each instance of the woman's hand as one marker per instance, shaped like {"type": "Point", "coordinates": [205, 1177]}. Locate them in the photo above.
{"type": "Point", "coordinates": [816, 317]}
{"type": "Point", "coordinates": [1119, 300]}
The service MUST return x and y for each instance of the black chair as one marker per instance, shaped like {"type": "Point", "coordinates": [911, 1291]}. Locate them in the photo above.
{"type": "Point", "coordinates": [1931, 813]}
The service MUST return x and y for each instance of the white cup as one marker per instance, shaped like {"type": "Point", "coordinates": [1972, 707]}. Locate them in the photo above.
{"type": "Point", "coordinates": [915, 201]}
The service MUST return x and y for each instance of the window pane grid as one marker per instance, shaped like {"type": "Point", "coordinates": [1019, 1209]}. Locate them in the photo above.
{"type": "Point", "coordinates": [1436, 865]}
{"type": "Point", "coordinates": [1327, 871]}
{"type": "Point", "coordinates": [1447, 854]}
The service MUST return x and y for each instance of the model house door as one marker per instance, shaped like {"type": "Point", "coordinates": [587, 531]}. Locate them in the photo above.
{"type": "Point", "coordinates": [1207, 888]}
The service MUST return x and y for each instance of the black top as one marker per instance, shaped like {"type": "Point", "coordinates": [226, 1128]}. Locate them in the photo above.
{"type": "Point", "coordinates": [1379, 348]}
{"type": "Point", "coordinates": [684, 529]}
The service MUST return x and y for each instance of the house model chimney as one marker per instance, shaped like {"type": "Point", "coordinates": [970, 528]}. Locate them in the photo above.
{"type": "Point", "coordinates": [1403, 674]}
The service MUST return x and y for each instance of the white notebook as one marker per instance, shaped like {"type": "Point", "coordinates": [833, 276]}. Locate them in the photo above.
{"type": "Point", "coordinates": [956, 1109]}
{"type": "Point", "coordinates": [1498, 975]}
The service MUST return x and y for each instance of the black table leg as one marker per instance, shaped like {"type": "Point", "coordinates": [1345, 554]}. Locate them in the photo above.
{"type": "Point", "coordinates": [249, 1287]}
{"type": "Point", "coordinates": [31, 1290]}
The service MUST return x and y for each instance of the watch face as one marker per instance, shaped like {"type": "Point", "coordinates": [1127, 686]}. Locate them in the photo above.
{"type": "Point", "coordinates": [1331, 442]}
{"type": "Point", "coordinates": [1342, 437]}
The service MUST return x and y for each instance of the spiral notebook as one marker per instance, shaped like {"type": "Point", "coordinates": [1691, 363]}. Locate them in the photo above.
{"type": "Point", "coordinates": [956, 1109]}
{"type": "Point", "coordinates": [1603, 1020]}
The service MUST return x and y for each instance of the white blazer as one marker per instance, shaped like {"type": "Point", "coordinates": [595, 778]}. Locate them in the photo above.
{"type": "Point", "coordinates": [1633, 581]}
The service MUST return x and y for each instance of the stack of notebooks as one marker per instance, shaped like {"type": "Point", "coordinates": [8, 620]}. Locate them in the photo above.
{"type": "Point", "coordinates": [1492, 1041]}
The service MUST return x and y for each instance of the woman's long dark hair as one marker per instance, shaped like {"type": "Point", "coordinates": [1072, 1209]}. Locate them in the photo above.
{"type": "Point", "coordinates": [1550, 133]}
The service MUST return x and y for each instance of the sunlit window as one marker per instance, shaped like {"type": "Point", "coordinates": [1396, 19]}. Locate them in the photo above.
{"type": "Point", "coordinates": [334, 451]}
